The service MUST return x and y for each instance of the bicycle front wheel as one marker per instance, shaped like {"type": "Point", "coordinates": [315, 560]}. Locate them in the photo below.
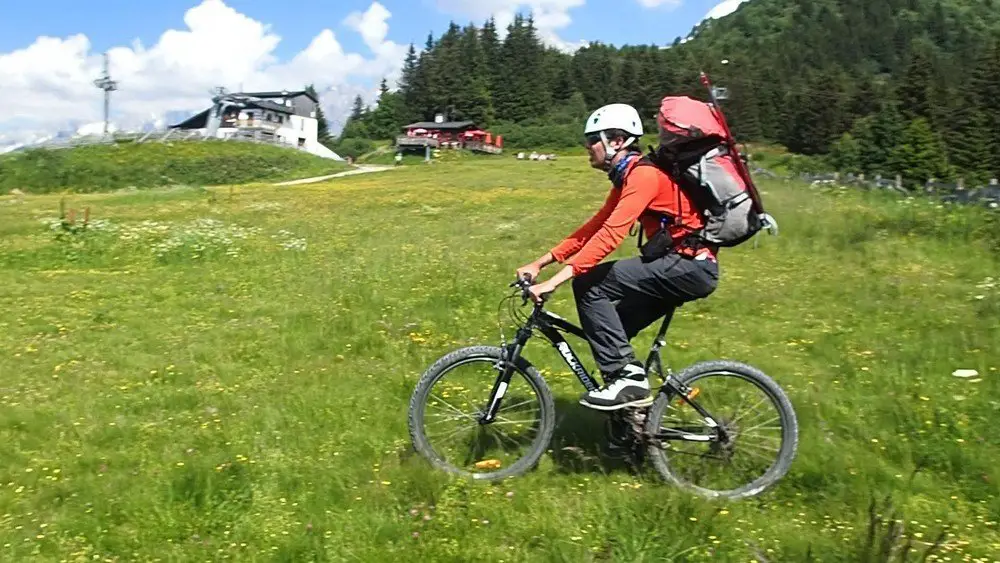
{"type": "Point", "coordinates": [445, 410]}
{"type": "Point", "coordinates": [749, 447]}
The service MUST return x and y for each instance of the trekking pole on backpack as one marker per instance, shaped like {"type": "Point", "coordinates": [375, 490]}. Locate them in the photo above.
{"type": "Point", "coordinates": [769, 223]}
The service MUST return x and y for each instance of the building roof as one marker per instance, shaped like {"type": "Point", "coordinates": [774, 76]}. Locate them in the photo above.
{"type": "Point", "coordinates": [200, 119]}
{"type": "Point", "coordinates": [265, 104]}
{"type": "Point", "coordinates": [279, 94]}
{"type": "Point", "coordinates": [442, 125]}
{"type": "Point", "coordinates": [196, 121]}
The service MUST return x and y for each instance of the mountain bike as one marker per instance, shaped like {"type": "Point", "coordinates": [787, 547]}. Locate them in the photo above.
{"type": "Point", "coordinates": [684, 414]}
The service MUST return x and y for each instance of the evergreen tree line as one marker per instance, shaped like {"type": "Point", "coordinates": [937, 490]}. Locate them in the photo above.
{"type": "Point", "coordinates": [887, 86]}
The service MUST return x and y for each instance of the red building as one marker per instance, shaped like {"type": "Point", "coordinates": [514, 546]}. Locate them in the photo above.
{"type": "Point", "coordinates": [448, 134]}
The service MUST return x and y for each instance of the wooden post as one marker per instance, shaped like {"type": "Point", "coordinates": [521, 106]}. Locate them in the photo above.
{"type": "Point", "coordinates": [899, 181]}
{"type": "Point", "coordinates": [960, 184]}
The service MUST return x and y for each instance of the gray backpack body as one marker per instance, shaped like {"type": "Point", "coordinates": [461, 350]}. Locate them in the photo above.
{"type": "Point", "coordinates": [710, 179]}
{"type": "Point", "coordinates": [723, 199]}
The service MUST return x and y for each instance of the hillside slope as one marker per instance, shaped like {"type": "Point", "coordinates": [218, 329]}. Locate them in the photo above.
{"type": "Point", "coordinates": [105, 167]}
{"type": "Point", "coordinates": [923, 73]}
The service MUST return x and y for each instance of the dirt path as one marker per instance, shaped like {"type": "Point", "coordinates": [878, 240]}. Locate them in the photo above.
{"type": "Point", "coordinates": [361, 169]}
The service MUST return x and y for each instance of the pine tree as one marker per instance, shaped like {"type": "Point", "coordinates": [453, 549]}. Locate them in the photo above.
{"type": "Point", "coordinates": [385, 120]}
{"type": "Point", "coordinates": [409, 88]}
{"type": "Point", "coordinates": [968, 142]}
{"type": "Point", "coordinates": [918, 156]}
{"type": "Point", "coordinates": [627, 82]}
{"type": "Point", "coordinates": [446, 78]}
{"type": "Point", "coordinates": [913, 90]}
{"type": "Point", "coordinates": [878, 136]}
{"type": "Point", "coordinates": [817, 116]}
{"type": "Point", "coordinates": [518, 74]}
{"type": "Point", "coordinates": [563, 86]}
{"type": "Point", "coordinates": [472, 95]}
{"type": "Point", "coordinates": [358, 109]}
{"type": "Point", "coordinates": [356, 126]}
{"type": "Point", "coordinates": [864, 99]}
{"type": "Point", "coordinates": [984, 83]}
{"type": "Point", "coordinates": [491, 56]}
{"type": "Point", "coordinates": [322, 127]}
{"type": "Point", "coordinates": [537, 99]}
{"type": "Point", "coordinates": [424, 83]}
{"type": "Point", "coordinates": [845, 154]}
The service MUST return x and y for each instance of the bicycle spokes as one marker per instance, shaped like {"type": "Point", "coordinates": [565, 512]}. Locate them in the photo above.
{"type": "Point", "coordinates": [453, 418]}
{"type": "Point", "coordinates": [723, 433]}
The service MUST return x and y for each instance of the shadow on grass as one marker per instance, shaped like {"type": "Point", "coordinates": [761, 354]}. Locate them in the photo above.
{"type": "Point", "coordinates": [580, 442]}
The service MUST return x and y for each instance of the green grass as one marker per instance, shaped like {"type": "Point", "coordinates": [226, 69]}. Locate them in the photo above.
{"type": "Point", "coordinates": [95, 168]}
{"type": "Point", "coordinates": [223, 374]}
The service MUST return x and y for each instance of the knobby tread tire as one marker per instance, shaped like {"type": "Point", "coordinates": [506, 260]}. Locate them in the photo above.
{"type": "Point", "coordinates": [789, 428]}
{"type": "Point", "coordinates": [419, 399]}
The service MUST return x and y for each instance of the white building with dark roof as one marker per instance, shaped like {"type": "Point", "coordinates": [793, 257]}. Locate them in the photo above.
{"type": "Point", "coordinates": [281, 117]}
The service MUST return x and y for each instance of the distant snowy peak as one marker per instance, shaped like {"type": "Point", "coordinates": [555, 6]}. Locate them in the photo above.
{"type": "Point", "coordinates": [720, 10]}
{"type": "Point", "coordinates": [723, 9]}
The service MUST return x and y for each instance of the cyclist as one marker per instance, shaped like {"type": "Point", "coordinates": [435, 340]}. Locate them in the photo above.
{"type": "Point", "coordinates": [617, 299]}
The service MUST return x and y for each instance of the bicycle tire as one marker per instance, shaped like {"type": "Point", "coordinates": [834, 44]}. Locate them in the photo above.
{"type": "Point", "coordinates": [789, 428]}
{"type": "Point", "coordinates": [418, 401]}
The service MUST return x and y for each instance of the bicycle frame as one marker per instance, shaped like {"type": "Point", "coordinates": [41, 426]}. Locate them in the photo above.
{"type": "Point", "coordinates": [551, 326]}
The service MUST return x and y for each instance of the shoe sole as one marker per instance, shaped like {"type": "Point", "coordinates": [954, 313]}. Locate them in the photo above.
{"type": "Point", "coordinates": [640, 403]}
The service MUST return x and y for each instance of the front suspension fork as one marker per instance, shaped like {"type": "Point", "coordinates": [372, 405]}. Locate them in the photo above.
{"type": "Point", "coordinates": [507, 362]}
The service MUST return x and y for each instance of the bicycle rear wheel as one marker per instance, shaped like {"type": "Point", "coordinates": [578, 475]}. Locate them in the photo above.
{"type": "Point", "coordinates": [456, 389]}
{"type": "Point", "coordinates": [762, 426]}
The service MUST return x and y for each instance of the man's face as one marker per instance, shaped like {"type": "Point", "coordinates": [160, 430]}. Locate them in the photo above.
{"type": "Point", "coordinates": [597, 151]}
{"type": "Point", "coordinates": [595, 147]}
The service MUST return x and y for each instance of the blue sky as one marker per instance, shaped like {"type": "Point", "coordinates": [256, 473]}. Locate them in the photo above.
{"type": "Point", "coordinates": [169, 54]}
{"type": "Point", "coordinates": [118, 22]}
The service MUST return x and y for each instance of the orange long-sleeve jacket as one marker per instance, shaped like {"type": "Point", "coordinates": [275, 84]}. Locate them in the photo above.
{"type": "Point", "coordinates": [645, 188]}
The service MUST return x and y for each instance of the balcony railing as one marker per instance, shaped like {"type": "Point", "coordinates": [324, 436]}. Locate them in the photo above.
{"type": "Point", "coordinates": [252, 124]}
{"type": "Point", "coordinates": [405, 141]}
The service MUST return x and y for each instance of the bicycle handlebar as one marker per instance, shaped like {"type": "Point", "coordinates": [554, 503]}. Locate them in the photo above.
{"type": "Point", "coordinates": [524, 284]}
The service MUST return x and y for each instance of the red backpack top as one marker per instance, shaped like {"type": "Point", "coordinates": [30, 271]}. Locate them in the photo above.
{"type": "Point", "coordinates": [682, 119]}
{"type": "Point", "coordinates": [698, 151]}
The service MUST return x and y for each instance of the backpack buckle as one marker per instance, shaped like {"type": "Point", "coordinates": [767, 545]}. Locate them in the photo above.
{"type": "Point", "coordinates": [768, 223]}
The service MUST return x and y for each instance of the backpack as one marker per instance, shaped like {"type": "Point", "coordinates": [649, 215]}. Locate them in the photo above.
{"type": "Point", "coordinates": [698, 152]}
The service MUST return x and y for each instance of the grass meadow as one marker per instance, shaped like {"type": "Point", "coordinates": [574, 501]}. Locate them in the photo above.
{"type": "Point", "coordinates": [223, 374]}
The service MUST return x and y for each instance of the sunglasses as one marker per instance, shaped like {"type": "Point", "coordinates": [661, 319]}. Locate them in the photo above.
{"type": "Point", "coordinates": [592, 139]}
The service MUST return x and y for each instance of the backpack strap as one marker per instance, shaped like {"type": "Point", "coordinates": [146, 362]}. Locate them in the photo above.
{"type": "Point", "coordinates": [665, 219]}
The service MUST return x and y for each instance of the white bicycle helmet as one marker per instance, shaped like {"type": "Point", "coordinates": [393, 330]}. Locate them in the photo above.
{"type": "Point", "coordinates": [614, 116]}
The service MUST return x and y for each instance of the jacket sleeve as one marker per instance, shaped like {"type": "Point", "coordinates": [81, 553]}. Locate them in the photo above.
{"type": "Point", "coordinates": [574, 242]}
{"type": "Point", "coordinates": [639, 190]}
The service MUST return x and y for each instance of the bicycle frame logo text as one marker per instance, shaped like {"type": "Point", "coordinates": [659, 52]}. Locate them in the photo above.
{"type": "Point", "coordinates": [574, 364]}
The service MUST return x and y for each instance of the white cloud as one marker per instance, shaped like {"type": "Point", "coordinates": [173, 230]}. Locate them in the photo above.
{"type": "Point", "coordinates": [657, 3]}
{"type": "Point", "coordinates": [722, 9]}
{"type": "Point", "coordinates": [550, 16]}
{"type": "Point", "coordinates": [49, 86]}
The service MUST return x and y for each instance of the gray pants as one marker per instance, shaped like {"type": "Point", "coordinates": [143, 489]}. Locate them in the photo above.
{"type": "Point", "coordinates": [615, 300]}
